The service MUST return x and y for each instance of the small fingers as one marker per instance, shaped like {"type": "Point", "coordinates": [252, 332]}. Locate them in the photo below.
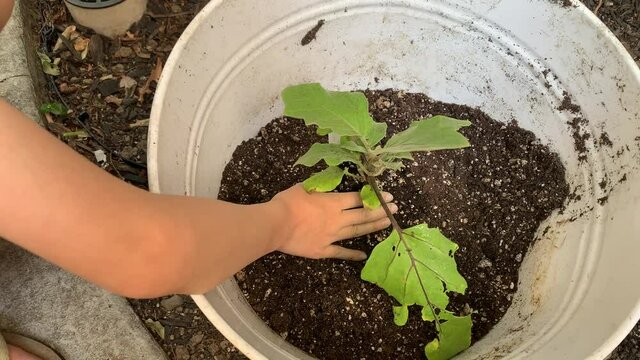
{"type": "Point", "coordinates": [339, 252]}
{"type": "Point", "coordinates": [363, 216]}
{"type": "Point", "coordinates": [356, 230]}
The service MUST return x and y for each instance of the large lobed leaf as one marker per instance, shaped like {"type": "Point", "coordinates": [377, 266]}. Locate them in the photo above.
{"type": "Point", "coordinates": [437, 133]}
{"type": "Point", "coordinates": [332, 154]}
{"type": "Point", "coordinates": [433, 268]}
{"type": "Point", "coordinates": [344, 113]}
{"type": "Point", "coordinates": [421, 270]}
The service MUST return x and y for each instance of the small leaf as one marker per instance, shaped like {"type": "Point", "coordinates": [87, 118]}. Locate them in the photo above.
{"type": "Point", "coordinates": [323, 132]}
{"type": "Point", "coordinates": [325, 180]}
{"type": "Point", "coordinates": [332, 154]}
{"type": "Point", "coordinates": [48, 67]}
{"type": "Point", "coordinates": [436, 133]}
{"type": "Point", "coordinates": [400, 315]}
{"type": "Point", "coordinates": [54, 108]}
{"type": "Point", "coordinates": [369, 198]}
{"type": "Point", "coordinates": [378, 132]}
{"type": "Point", "coordinates": [348, 144]}
{"type": "Point", "coordinates": [405, 156]}
{"type": "Point", "coordinates": [156, 327]}
{"type": "Point", "coordinates": [454, 337]}
{"type": "Point", "coordinates": [345, 113]}
{"type": "Point", "coordinates": [393, 165]}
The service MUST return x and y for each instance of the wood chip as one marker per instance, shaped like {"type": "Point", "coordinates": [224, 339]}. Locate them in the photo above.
{"type": "Point", "coordinates": [154, 76]}
{"type": "Point", "coordinates": [67, 34]}
{"type": "Point", "coordinates": [128, 82]}
{"type": "Point", "coordinates": [111, 99]}
{"type": "Point", "coordinates": [140, 123]}
{"type": "Point", "coordinates": [123, 52]}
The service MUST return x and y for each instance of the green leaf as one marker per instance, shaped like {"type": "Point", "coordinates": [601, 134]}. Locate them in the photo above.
{"type": "Point", "coordinates": [54, 108]}
{"type": "Point", "coordinates": [436, 133]}
{"type": "Point", "coordinates": [400, 315]}
{"type": "Point", "coordinates": [454, 337]}
{"type": "Point", "coordinates": [397, 165]}
{"type": "Point", "coordinates": [378, 132]}
{"type": "Point", "coordinates": [390, 267]}
{"type": "Point", "coordinates": [404, 155]}
{"type": "Point", "coordinates": [427, 314]}
{"type": "Point", "coordinates": [72, 134]}
{"type": "Point", "coordinates": [332, 154]}
{"type": "Point", "coordinates": [369, 198]}
{"type": "Point", "coordinates": [323, 132]}
{"type": "Point", "coordinates": [48, 66]}
{"type": "Point", "coordinates": [156, 327]}
{"type": "Point", "coordinates": [325, 180]}
{"type": "Point", "coordinates": [345, 113]}
{"type": "Point", "coordinates": [348, 144]}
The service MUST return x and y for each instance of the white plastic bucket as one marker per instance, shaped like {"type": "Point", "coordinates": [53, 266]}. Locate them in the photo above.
{"type": "Point", "coordinates": [579, 293]}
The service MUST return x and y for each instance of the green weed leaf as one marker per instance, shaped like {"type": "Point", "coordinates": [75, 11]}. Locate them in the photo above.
{"type": "Point", "coordinates": [54, 108]}
{"type": "Point", "coordinates": [400, 315]}
{"type": "Point", "coordinates": [345, 113]}
{"type": "Point", "coordinates": [436, 133]}
{"type": "Point", "coordinates": [325, 180]}
{"type": "Point", "coordinates": [369, 198]}
{"type": "Point", "coordinates": [323, 132]}
{"type": "Point", "coordinates": [421, 281]}
{"type": "Point", "coordinates": [156, 327]}
{"type": "Point", "coordinates": [48, 67]}
{"type": "Point", "coordinates": [332, 154]}
{"type": "Point", "coordinates": [454, 337]}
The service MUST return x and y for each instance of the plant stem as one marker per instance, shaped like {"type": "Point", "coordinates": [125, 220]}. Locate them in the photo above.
{"type": "Point", "coordinates": [394, 223]}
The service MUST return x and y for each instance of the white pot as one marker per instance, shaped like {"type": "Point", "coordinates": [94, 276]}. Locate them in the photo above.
{"type": "Point", "coordinates": [110, 21]}
{"type": "Point", "coordinates": [579, 293]}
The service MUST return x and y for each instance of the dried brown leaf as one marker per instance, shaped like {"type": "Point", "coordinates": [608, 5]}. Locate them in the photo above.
{"type": "Point", "coordinates": [154, 76]}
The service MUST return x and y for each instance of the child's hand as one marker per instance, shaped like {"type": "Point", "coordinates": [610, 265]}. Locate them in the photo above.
{"type": "Point", "coordinates": [317, 220]}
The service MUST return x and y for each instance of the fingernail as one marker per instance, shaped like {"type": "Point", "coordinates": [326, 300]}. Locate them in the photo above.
{"type": "Point", "coordinates": [362, 257]}
{"type": "Point", "coordinates": [393, 208]}
{"type": "Point", "coordinates": [387, 197]}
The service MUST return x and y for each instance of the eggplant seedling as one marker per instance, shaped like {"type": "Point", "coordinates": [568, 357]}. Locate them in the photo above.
{"type": "Point", "coordinates": [416, 266]}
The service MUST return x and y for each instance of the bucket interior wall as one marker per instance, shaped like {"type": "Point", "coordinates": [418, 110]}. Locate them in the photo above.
{"type": "Point", "coordinates": [515, 60]}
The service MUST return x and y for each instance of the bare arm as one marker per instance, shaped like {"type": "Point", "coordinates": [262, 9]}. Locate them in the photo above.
{"type": "Point", "coordinates": [60, 206]}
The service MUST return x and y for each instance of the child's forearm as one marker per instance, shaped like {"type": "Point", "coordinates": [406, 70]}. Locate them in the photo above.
{"type": "Point", "coordinates": [59, 206]}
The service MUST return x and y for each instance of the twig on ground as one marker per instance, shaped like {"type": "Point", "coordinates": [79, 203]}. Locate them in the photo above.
{"type": "Point", "coordinates": [162, 16]}
{"type": "Point", "coordinates": [597, 8]}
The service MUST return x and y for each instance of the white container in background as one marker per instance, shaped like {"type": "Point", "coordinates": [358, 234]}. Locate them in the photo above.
{"type": "Point", "coordinates": [110, 18]}
{"type": "Point", "coordinates": [579, 291]}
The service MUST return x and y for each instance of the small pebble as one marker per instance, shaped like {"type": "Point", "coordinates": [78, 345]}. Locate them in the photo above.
{"type": "Point", "coordinates": [172, 302]}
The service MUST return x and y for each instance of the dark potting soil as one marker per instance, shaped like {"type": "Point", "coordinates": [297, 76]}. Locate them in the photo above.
{"type": "Point", "coordinates": [311, 35]}
{"type": "Point", "coordinates": [489, 198]}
